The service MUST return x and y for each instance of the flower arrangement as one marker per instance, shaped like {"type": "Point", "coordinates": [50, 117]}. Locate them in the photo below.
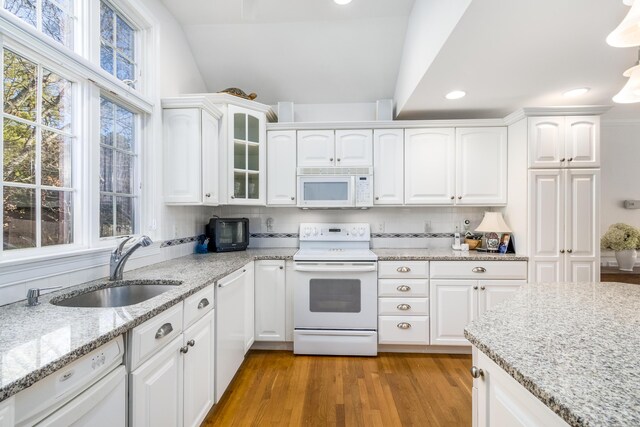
{"type": "Point", "coordinates": [620, 237]}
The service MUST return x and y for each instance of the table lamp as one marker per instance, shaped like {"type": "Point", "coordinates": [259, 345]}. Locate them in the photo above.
{"type": "Point", "coordinates": [491, 224]}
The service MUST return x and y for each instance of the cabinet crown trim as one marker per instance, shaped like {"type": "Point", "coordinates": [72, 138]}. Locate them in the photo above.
{"type": "Point", "coordinates": [192, 102]}
{"type": "Point", "coordinates": [591, 110]}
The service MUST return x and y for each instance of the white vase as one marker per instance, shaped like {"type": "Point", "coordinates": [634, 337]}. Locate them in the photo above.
{"type": "Point", "coordinates": [626, 259]}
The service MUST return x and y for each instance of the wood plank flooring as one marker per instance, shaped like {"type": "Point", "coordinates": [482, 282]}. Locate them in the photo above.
{"type": "Point", "coordinates": [276, 388]}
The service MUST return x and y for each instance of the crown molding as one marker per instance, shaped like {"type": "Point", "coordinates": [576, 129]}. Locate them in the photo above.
{"type": "Point", "coordinates": [386, 124]}
{"type": "Point", "coordinates": [225, 98]}
{"type": "Point", "coordinates": [192, 101]}
{"type": "Point", "coordinates": [587, 110]}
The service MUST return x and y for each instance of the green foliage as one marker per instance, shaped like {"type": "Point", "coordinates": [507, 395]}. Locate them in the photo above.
{"type": "Point", "coordinates": [620, 237]}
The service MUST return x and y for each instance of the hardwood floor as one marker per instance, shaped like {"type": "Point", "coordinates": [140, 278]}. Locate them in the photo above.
{"type": "Point", "coordinates": [276, 388]}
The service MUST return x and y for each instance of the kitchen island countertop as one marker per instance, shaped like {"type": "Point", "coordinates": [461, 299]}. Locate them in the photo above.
{"type": "Point", "coordinates": [574, 346]}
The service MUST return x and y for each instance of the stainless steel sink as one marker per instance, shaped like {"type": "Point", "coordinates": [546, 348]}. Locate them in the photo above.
{"type": "Point", "coordinates": [119, 294]}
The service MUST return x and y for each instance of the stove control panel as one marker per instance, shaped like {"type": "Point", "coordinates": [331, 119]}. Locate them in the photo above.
{"type": "Point", "coordinates": [339, 232]}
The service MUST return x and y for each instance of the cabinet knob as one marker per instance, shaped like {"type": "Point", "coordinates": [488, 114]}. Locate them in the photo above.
{"type": "Point", "coordinates": [184, 349]}
{"type": "Point", "coordinates": [377, 198]}
{"type": "Point", "coordinates": [403, 269]}
{"type": "Point", "coordinates": [479, 270]}
{"type": "Point", "coordinates": [338, 159]}
{"type": "Point", "coordinates": [191, 343]}
{"type": "Point", "coordinates": [561, 251]}
{"type": "Point", "coordinates": [331, 159]}
{"type": "Point", "coordinates": [281, 268]}
{"type": "Point", "coordinates": [562, 160]}
{"type": "Point", "coordinates": [404, 325]}
{"type": "Point", "coordinates": [482, 288]}
{"type": "Point", "coordinates": [459, 197]}
{"type": "Point", "coordinates": [233, 197]}
{"type": "Point", "coordinates": [476, 372]}
{"type": "Point", "coordinates": [403, 288]}
{"type": "Point", "coordinates": [570, 159]}
{"type": "Point", "coordinates": [404, 307]}
{"type": "Point", "coordinates": [208, 195]}
{"type": "Point", "coordinates": [293, 198]}
{"type": "Point", "coordinates": [453, 197]}
{"type": "Point", "coordinates": [475, 288]}
{"type": "Point", "coordinates": [569, 250]}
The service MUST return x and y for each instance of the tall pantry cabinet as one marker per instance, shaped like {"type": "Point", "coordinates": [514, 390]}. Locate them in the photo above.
{"type": "Point", "coordinates": [564, 198]}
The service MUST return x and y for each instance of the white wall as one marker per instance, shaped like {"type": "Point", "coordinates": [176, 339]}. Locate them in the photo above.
{"type": "Point", "coordinates": [516, 212]}
{"type": "Point", "coordinates": [346, 112]}
{"type": "Point", "coordinates": [620, 151]}
{"type": "Point", "coordinates": [430, 24]}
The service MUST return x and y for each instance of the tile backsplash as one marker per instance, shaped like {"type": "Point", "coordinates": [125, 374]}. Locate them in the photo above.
{"type": "Point", "coordinates": [391, 227]}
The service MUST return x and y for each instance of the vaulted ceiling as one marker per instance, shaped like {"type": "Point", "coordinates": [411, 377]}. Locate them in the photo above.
{"type": "Point", "coordinates": [504, 54]}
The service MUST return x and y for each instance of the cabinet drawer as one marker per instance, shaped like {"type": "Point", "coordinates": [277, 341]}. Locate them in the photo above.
{"type": "Point", "coordinates": [403, 330]}
{"type": "Point", "coordinates": [403, 288]}
{"type": "Point", "coordinates": [197, 305]}
{"type": "Point", "coordinates": [155, 333]}
{"type": "Point", "coordinates": [403, 269]}
{"type": "Point", "coordinates": [403, 306]}
{"type": "Point", "coordinates": [479, 270]}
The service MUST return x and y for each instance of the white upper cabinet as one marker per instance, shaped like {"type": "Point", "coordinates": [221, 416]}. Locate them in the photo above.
{"type": "Point", "coordinates": [481, 166]}
{"type": "Point", "coordinates": [246, 156]}
{"type": "Point", "coordinates": [354, 147]}
{"type": "Point", "coordinates": [190, 141]}
{"type": "Point", "coordinates": [561, 142]}
{"type": "Point", "coordinates": [325, 148]}
{"type": "Point", "coordinates": [388, 167]}
{"type": "Point", "coordinates": [281, 167]}
{"type": "Point", "coordinates": [429, 166]}
{"type": "Point", "coordinates": [316, 148]}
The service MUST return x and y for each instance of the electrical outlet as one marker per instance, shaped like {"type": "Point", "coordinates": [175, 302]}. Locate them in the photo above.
{"type": "Point", "coordinates": [175, 231]}
{"type": "Point", "coordinates": [381, 227]}
{"type": "Point", "coordinates": [427, 226]}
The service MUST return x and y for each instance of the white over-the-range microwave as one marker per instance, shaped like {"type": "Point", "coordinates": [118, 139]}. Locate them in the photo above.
{"type": "Point", "coordinates": [335, 188]}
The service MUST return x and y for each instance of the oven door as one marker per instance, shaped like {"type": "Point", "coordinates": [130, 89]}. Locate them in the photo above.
{"type": "Point", "coordinates": [335, 295]}
{"type": "Point", "coordinates": [326, 192]}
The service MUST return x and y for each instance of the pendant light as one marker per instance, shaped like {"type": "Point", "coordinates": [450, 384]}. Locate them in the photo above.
{"type": "Point", "coordinates": [627, 34]}
{"type": "Point", "coordinates": [630, 93]}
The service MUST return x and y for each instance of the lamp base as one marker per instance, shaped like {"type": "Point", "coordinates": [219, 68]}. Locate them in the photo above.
{"type": "Point", "coordinates": [493, 242]}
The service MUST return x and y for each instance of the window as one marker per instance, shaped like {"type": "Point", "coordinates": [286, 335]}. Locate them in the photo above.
{"type": "Point", "coordinates": [37, 188]}
{"type": "Point", "coordinates": [117, 45]}
{"type": "Point", "coordinates": [53, 17]}
{"type": "Point", "coordinates": [118, 195]}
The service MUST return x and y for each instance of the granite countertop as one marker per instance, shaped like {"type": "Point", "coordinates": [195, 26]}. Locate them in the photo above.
{"type": "Point", "coordinates": [443, 255]}
{"type": "Point", "coordinates": [576, 347]}
{"type": "Point", "coordinates": [37, 341]}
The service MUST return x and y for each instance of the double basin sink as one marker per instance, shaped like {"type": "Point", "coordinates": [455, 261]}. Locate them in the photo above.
{"type": "Point", "coordinates": [121, 293]}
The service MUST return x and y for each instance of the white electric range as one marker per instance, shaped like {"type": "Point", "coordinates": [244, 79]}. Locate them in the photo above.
{"type": "Point", "coordinates": [335, 291]}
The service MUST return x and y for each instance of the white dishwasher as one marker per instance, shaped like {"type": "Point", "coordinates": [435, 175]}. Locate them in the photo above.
{"type": "Point", "coordinates": [90, 391]}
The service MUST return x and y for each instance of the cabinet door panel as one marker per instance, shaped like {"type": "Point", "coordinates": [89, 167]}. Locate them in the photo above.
{"type": "Point", "coordinates": [182, 156]}
{"type": "Point", "coordinates": [210, 178]}
{"type": "Point", "coordinates": [270, 300]}
{"type": "Point", "coordinates": [316, 148]}
{"type": "Point", "coordinates": [198, 370]}
{"type": "Point", "coordinates": [546, 225]}
{"type": "Point", "coordinates": [546, 142]}
{"type": "Point", "coordinates": [493, 293]}
{"type": "Point", "coordinates": [249, 307]}
{"type": "Point", "coordinates": [429, 166]}
{"type": "Point", "coordinates": [354, 147]}
{"type": "Point", "coordinates": [582, 141]}
{"type": "Point", "coordinates": [481, 166]}
{"type": "Point", "coordinates": [157, 389]}
{"type": "Point", "coordinates": [453, 306]}
{"type": "Point", "coordinates": [388, 167]}
{"type": "Point", "coordinates": [281, 167]}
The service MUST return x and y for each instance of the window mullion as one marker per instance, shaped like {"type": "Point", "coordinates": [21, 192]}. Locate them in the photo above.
{"type": "Point", "coordinates": [2, 147]}
{"type": "Point", "coordinates": [38, 169]}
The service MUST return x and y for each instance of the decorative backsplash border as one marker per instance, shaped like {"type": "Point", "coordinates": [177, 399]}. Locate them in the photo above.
{"type": "Point", "coordinates": [178, 241]}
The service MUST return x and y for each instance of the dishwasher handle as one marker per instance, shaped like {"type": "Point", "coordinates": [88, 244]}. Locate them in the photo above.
{"type": "Point", "coordinates": [232, 281]}
{"type": "Point", "coordinates": [335, 267]}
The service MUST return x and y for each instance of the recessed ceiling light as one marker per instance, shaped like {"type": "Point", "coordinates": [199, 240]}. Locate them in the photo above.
{"type": "Point", "coordinates": [342, 2]}
{"type": "Point", "coordinates": [576, 92]}
{"type": "Point", "coordinates": [456, 94]}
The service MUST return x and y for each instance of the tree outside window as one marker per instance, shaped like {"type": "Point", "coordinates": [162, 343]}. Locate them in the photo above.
{"type": "Point", "coordinates": [117, 45]}
{"type": "Point", "coordinates": [53, 17]}
{"type": "Point", "coordinates": [37, 187]}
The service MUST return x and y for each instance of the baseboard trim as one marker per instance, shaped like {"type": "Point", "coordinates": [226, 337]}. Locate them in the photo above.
{"type": "Point", "coordinates": [382, 348]}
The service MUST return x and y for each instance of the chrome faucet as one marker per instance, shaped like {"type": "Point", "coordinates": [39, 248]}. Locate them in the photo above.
{"type": "Point", "coordinates": [34, 293]}
{"type": "Point", "coordinates": [119, 259]}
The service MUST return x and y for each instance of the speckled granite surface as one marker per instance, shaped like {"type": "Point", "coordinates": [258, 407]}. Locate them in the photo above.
{"type": "Point", "coordinates": [576, 347]}
{"type": "Point", "coordinates": [442, 255]}
{"type": "Point", "coordinates": [37, 341]}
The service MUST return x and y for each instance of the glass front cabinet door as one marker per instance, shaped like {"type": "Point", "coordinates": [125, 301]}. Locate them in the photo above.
{"type": "Point", "coordinates": [247, 156]}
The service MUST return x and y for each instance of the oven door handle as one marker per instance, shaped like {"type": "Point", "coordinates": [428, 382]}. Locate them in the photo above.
{"type": "Point", "coordinates": [335, 267]}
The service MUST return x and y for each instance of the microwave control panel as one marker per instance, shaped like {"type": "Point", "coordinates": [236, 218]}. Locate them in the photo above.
{"type": "Point", "coordinates": [364, 191]}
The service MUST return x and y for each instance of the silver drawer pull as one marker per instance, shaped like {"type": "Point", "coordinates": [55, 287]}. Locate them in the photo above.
{"type": "Point", "coordinates": [404, 288]}
{"type": "Point", "coordinates": [67, 376]}
{"type": "Point", "coordinates": [403, 269]}
{"type": "Point", "coordinates": [404, 307]}
{"type": "Point", "coordinates": [479, 270]}
{"type": "Point", "coordinates": [203, 303]}
{"type": "Point", "coordinates": [164, 330]}
{"type": "Point", "coordinates": [404, 325]}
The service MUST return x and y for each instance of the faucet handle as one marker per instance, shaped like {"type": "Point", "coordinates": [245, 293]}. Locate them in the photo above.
{"type": "Point", "coordinates": [120, 247]}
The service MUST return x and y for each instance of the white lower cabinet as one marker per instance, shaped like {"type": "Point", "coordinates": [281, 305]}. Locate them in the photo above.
{"type": "Point", "coordinates": [499, 400]}
{"type": "Point", "coordinates": [456, 299]}
{"type": "Point", "coordinates": [270, 299]}
{"type": "Point", "coordinates": [7, 413]}
{"type": "Point", "coordinates": [249, 307]}
{"type": "Point", "coordinates": [175, 385]}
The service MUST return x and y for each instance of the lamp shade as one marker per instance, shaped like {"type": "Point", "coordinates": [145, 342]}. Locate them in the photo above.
{"type": "Point", "coordinates": [493, 222]}
{"type": "Point", "coordinates": [627, 34]}
{"type": "Point", "coordinates": [631, 91]}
